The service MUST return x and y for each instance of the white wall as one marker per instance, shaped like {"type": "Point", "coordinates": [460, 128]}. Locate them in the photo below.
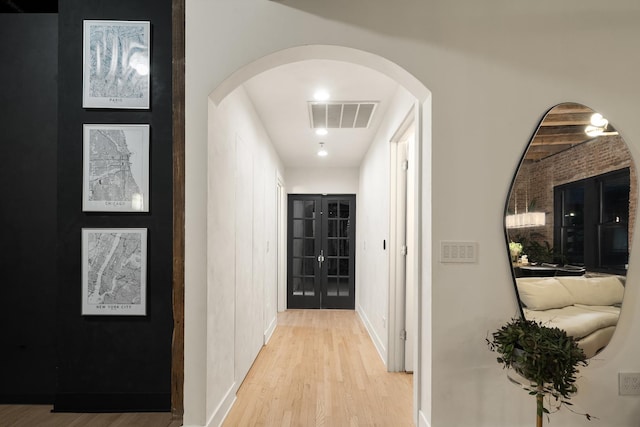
{"type": "Point", "coordinates": [241, 292]}
{"type": "Point", "coordinates": [372, 266]}
{"type": "Point", "coordinates": [493, 68]}
{"type": "Point", "coordinates": [322, 180]}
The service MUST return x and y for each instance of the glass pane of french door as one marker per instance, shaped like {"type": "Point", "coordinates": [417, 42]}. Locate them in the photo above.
{"type": "Point", "coordinates": [338, 239]}
{"type": "Point", "coordinates": [303, 280]}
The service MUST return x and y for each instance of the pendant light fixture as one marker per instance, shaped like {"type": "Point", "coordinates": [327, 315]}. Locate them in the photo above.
{"type": "Point", "coordinates": [526, 219]}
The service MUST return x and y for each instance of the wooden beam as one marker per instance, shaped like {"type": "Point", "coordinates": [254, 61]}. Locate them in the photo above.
{"type": "Point", "coordinates": [560, 139]}
{"type": "Point", "coordinates": [554, 119]}
{"type": "Point", "coordinates": [178, 102]}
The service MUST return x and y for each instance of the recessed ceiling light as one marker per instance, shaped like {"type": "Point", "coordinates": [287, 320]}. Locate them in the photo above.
{"type": "Point", "coordinates": [321, 131]}
{"type": "Point", "coordinates": [321, 95]}
{"type": "Point", "coordinates": [322, 152]}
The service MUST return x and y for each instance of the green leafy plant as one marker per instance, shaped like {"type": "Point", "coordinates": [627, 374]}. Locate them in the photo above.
{"type": "Point", "coordinates": [547, 357]}
{"type": "Point", "coordinates": [538, 249]}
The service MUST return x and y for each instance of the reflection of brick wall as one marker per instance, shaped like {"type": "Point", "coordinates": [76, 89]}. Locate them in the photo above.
{"type": "Point", "coordinates": [535, 181]}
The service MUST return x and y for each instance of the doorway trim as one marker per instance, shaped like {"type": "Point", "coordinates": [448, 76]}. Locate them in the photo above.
{"type": "Point", "coordinates": [282, 243]}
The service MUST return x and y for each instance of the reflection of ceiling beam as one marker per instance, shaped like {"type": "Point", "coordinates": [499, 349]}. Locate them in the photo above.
{"type": "Point", "coordinates": [561, 139]}
{"type": "Point", "coordinates": [554, 119]}
{"type": "Point", "coordinates": [562, 128]}
{"type": "Point", "coordinates": [540, 152]}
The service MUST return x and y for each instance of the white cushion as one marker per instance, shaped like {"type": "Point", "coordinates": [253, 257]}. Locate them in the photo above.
{"type": "Point", "coordinates": [543, 293]}
{"type": "Point", "coordinates": [606, 290]}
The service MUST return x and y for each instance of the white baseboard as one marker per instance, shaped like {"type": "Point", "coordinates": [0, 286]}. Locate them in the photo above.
{"type": "Point", "coordinates": [422, 420]}
{"type": "Point", "coordinates": [272, 327]}
{"type": "Point", "coordinates": [377, 342]}
{"type": "Point", "coordinates": [221, 412]}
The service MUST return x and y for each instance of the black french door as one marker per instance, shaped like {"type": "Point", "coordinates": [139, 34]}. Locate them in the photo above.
{"type": "Point", "coordinates": [321, 251]}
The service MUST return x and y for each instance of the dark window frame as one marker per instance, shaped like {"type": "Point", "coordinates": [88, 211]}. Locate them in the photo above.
{"type": "Point", "coordinates": [595, 256]}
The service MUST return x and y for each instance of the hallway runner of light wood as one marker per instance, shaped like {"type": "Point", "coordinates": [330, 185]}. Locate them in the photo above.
{"type": "Point", "coordinates": [320, 368]}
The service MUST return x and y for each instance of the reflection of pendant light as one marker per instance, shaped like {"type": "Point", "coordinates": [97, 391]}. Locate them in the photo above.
{"type": "Point", "coordinates": [598, 126]}
{"type": "Point", "coordinates": [322, 152]}
{"type": "Point", "coordinates": [526, 219]}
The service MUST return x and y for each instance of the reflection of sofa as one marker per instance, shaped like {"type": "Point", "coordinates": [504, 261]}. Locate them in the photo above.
{"type": "Point", "coordinates": [587, 308]}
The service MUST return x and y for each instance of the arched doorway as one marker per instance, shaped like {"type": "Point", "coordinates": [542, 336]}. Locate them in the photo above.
{"type": "Point", "coordinates": [203, 346]}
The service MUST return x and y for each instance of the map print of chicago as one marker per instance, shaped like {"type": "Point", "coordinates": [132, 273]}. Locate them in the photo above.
{"type": "Point", "coordinates": [110, 175]}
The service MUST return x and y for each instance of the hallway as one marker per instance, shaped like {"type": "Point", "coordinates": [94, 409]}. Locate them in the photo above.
{"type": "Point", "coordinates": [320, 368]}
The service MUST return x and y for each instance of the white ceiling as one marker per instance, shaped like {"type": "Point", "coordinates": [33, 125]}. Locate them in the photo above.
{"type": "Point", "coordinates": [281, 96]}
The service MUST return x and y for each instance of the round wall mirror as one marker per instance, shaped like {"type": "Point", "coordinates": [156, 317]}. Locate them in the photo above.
{"type": "Point", "coordinates": [568, 223]}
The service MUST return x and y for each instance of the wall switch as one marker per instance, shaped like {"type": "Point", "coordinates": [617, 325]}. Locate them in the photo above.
{"type": "Point", "coordinates": [628, 383]}
{"type": "Point", "coordinates": [458, 251]}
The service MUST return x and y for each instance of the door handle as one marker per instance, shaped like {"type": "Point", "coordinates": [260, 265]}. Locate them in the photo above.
{"type": "Point", "coordinates": [320, 258]}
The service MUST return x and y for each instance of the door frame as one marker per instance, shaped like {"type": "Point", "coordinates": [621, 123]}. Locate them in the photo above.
{"type": "Point", "coordinates": [399, 230]}
{"type": "Point", "coordinates": [281, 200]}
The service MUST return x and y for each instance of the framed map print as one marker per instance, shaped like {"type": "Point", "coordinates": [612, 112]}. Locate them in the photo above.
{"type": "Point", "coordinates": [114, 271]}
{"type": "Point", "coordinates": [116, 64]}
{"type": "Point", "coordinates": [115, 168]}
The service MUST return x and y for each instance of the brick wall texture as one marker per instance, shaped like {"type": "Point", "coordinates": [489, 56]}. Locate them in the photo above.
{"type": "Point", "coordinates": [535, 181]}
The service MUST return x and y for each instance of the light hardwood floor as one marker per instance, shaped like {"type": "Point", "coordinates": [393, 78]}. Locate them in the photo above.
{"type": "Point", "coordinates": [320, 368]}
{"type": "Point", "coordinates": [41, 416]}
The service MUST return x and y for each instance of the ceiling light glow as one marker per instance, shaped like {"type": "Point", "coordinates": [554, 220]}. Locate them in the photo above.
{"type": "Point", "coordinates": [598, 120]}
{"type": "Point", "coordinates": [321, 95]}
{"type": "Point", "coordinates": [321, 131]}
{"type": "Point", "coordinates": [322, 152]}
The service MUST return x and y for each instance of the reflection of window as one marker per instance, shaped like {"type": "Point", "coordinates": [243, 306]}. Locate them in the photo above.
{"type": "Point", "coordinates": [591, 222]}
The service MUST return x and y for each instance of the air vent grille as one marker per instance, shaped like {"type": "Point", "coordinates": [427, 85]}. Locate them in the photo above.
{"type": "Point", "coordinates": [342, 115]}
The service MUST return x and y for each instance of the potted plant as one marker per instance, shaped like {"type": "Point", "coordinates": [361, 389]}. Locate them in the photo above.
{"type": "Point", "coordinates": [546, 357]}
{"type": "Point", "coordinates": [515, 249]}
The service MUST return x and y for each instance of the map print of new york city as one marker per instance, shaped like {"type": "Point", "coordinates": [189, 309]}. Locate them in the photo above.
{"type": "Point", "coordinates": [114, 276]}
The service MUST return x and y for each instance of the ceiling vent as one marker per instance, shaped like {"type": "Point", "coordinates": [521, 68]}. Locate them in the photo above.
{"type": "Point", "coordinates": [341, 115]}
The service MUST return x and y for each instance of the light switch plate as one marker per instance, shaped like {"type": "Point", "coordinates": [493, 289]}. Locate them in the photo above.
{"type": "Point", "coordinates": [628, 383]}
{"type": "Point", "coordinates": [458, 252]}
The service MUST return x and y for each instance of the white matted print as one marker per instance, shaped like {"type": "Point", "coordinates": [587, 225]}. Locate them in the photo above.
{"type": "Point", "coordinates": [115, 168]}
{"type": "Point", "coordinates": [116, 64]}
{"type": "Point", "coordinates": [114, 271]}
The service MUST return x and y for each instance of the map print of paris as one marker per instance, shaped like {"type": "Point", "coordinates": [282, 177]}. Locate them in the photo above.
{"type": "Point", "coordinates": [116, 64]}
{"type": "Point", "coordinates": [116, 168]}
{"type": "Point", "coordinates": [114, 271]}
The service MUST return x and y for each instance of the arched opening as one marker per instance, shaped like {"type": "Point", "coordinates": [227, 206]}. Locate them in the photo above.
{"type": "Point", "coordinates": [213, 314]}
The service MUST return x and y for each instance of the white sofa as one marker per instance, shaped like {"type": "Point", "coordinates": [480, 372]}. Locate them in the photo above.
{"type": "Point", "coordinates": [587, 308]}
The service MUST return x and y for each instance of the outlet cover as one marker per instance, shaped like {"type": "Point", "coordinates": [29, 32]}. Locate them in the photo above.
{"type": "Point", "coordinates": [628, 383]}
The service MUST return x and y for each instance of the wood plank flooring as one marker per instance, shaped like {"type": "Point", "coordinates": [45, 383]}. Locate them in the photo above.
{"type": "Point", "coordinates": [41, 416]}
{"type": "Point", "coordinates": [320, 368]}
